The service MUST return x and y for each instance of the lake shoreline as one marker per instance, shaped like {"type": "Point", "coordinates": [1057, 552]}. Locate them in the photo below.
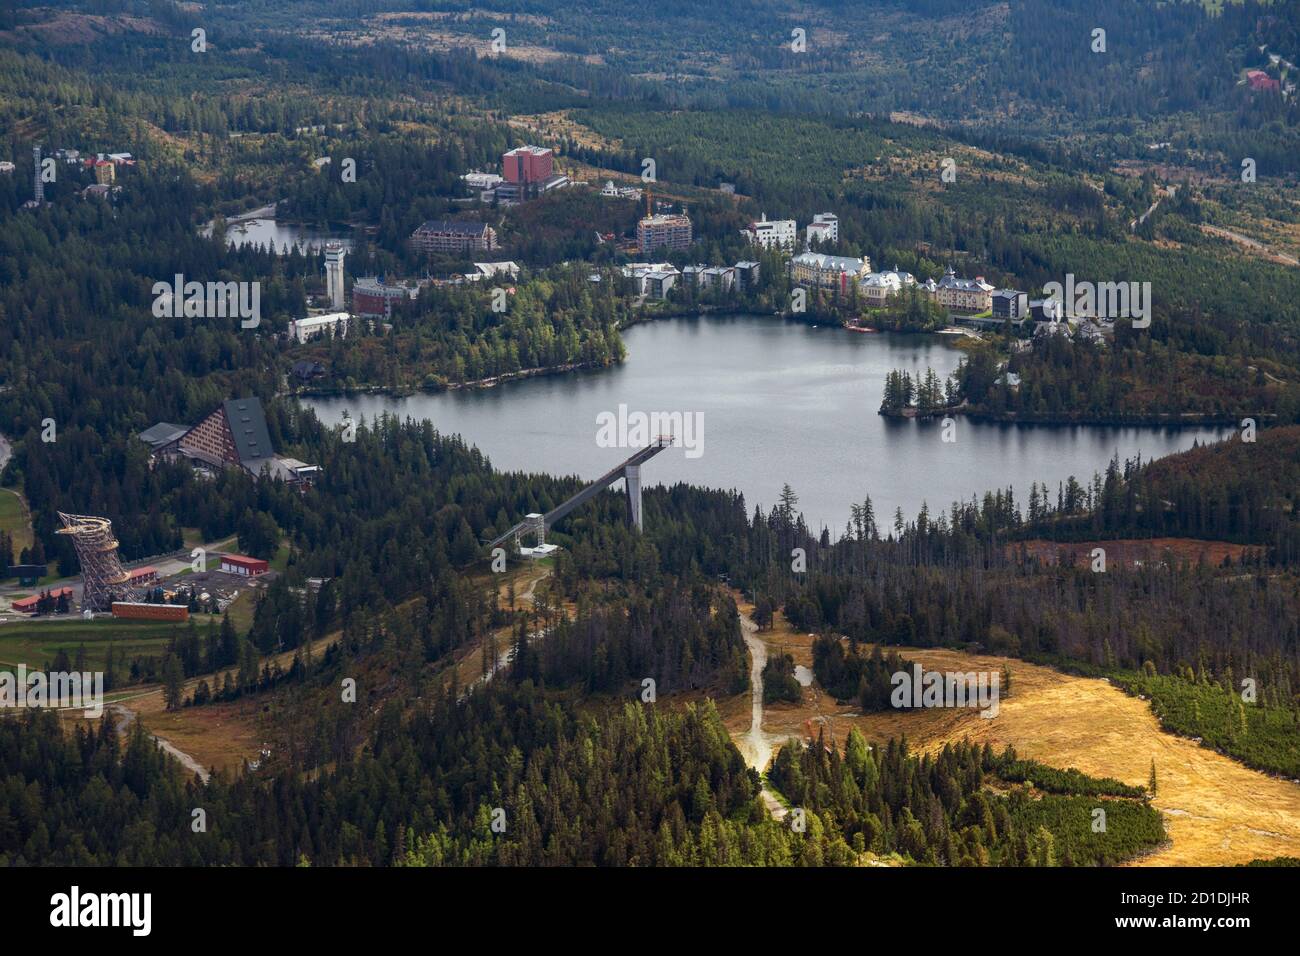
{"type": "Point", "coordinates": [397, 391]}
{"type": "Point", "coordinates": [770, 401]}
{"type": "Point", "coordinates": [1162, 420]}
{"type": "Point", "coordinates": [1009, 418]}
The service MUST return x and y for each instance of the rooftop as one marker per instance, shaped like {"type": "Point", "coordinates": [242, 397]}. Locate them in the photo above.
{"type": "Point", "coordinates": [891, 280]}
{"type": "Point", "coordinates": [666, 219]}
{"type": "Point", "coordinates": [377, 285]}
{"type": "Point", "coordinates": [248, 427]}
{"type": "Point", "coordinates": [164, 433]}
{"type": "Point", "coordinates": [820, 260]}
{"type": "Point", "coordinates": [492, 268]}
{"type": "Point", "coordinates": [460, 227]}
{"type": "Point", "coordinates": [324, 318]}
{"type": "Point", "coordinates": [951, 280]}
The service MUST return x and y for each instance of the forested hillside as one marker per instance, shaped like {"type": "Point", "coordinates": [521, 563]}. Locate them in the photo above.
{"type": "Point", "coordinates": [939, 810]}
{"type": "Point", "coordinates": [594, 728]}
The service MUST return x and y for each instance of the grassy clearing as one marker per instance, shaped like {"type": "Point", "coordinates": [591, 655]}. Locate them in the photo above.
{"type": "Point", "coordinates": [36, 643]}
{"type": "Point", "coordinates": [280, 560]}
{"type": "Point", "coordinates": [240, 611]}
{"type": "Point", "coordinates": [15, 520]}
{"type": "Point", "coordinates": [221, 735]}
{"type": "Point", "coordinates": [1217, 812]}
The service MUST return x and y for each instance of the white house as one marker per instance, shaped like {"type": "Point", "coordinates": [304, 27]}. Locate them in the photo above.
{"type": "Point", "coordinates": [769, 233]}
{"type": "Point", "coordinates": [877, 287]}
{"type": "Point", "coordinates": [494, 270]}
{"type": "Point", "coordinates": [637, 271]}
{"type": "Point", "coordinates": [303, 330]}
{"type": "Point", "coordinates": [612, 190]}
{"type": "Point", "coordinates": [477, 180]}
{"type": "Point", "coordinates": [825, 227]}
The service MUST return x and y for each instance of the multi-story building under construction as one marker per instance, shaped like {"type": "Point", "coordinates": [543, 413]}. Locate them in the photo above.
{"type": "Point", "coordinates": [104, 579]}
{"type": "Point", "coordinates": [663, 231]}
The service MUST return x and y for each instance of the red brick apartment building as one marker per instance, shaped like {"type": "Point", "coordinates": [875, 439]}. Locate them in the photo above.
{"type": "Point", "coordinates": [528, 164]}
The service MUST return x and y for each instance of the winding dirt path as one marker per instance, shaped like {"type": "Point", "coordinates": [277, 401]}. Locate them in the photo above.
{"type": "Point", "coordinates": [1254, 245]}
{"type": "Point", "coordinates": [468, 669]}
{"type": "Point", "coordinates": [1217, 811]}
{"type": "Point", "coordinates": [126, 717]}
{"type": "Point", "coordinates": [221, 735]}
{"type": "Point", "coordinates": [756, 746]}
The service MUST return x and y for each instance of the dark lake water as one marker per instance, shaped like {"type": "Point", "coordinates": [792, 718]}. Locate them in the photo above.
{"type": "Point", "coordinates": [780, 402]}
{"type": "Point", "coordinates": [280, 236]}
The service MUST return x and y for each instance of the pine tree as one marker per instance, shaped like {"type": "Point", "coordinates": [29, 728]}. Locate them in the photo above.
{"type": "Point", "coordinates": [1045, 848]}
{"type": "Point", "coordinates": [173, 682]}
{"type": "Point", "coordinates": [789, 504]}
{"type": "Point", "coordinates": [229, 643]}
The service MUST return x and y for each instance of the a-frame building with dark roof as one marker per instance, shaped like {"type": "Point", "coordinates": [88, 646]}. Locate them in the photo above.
{"type": "Point", "coordinates": [234, 435]}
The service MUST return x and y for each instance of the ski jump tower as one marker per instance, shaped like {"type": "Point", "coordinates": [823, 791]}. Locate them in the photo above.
{"type": "Point", "coordinates": [629, 471]}
{"type": "Point", "coordinates": [101, 572]}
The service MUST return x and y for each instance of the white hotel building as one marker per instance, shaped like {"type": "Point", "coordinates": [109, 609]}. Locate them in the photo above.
{"type": "Point", "coordinates": [303, 330]}
{"type": "Point", "coordinates": [769, 233]}
{"type": "Point", "coordinates": [825, 227]}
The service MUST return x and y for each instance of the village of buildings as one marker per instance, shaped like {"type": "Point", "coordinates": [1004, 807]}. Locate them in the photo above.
{"type": "Point", "coordinates": [235, 435]}
{"type": "Point", "coordinates": [528, 172]}
{"type": "Point", "coordinates": [168, 587]}
{"type": "Point", "coordinates": [971, 303]}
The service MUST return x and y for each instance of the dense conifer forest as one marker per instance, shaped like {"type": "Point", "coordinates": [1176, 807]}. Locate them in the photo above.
{"type": "Point", "coordinates": [938, 810]}
{"type": "Point", "coordinates": [559, 753]}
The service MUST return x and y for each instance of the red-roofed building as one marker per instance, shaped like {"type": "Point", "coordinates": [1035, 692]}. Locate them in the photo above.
{"type": "Point", "coordinates": [1259, 80]}
{"type": "Point", "coordinates": [28, 605]}
{"type": "Point", "coordinates": [139, 577]}
{"type": "Point", "coordinates": [244, 565]}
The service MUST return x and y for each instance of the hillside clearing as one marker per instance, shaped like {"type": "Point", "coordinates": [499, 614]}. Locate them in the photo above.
{"type": "Point", "coordinates": [1217, 812]}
